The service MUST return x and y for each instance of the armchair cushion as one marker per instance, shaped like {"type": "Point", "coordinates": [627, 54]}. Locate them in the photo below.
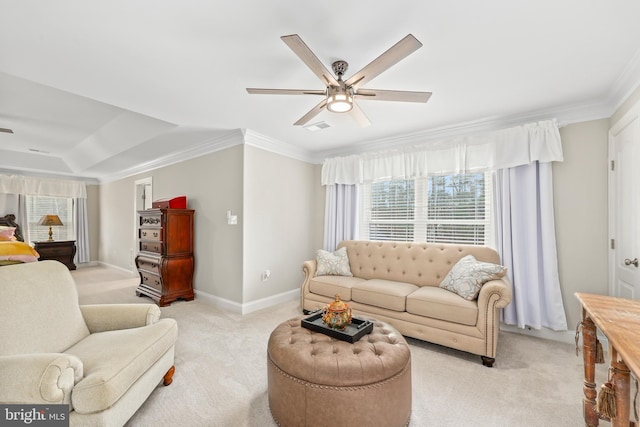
{"type": "Point", "coordinates": [39, 307]}
{"type": "Point", "coordinates": [114, 360]}
{"type": "Point", "coordinates": [41, 378]}
{"type": "Point", "coordinates": [110, 317]}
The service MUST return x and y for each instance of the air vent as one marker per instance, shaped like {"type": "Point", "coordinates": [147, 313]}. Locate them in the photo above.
{"type": "Point", "coordinates": [317, 126]}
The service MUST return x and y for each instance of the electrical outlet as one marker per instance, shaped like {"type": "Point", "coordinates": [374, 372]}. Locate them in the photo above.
{"type": "Point", "coordinates": [266, 275]}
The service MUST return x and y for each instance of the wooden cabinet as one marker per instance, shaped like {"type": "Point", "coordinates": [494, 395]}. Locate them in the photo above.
{"type": "Point", "coordinates": [165, 260]}
{"type": "Point", "coordinates": [58, 250]}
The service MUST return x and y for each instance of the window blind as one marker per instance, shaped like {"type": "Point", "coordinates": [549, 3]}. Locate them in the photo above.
{"type": "Point", "coordinates": [447, 209]}
{"type": "Point", "coordinates": [459, 209]}
{"type": "Point", "coordinates": [38, 206]}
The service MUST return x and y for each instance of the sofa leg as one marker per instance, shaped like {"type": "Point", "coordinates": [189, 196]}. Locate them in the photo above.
{"type": "Point", "coordinates": [168, 377]}
{"type": "Point", "coordinates": [488, 361]}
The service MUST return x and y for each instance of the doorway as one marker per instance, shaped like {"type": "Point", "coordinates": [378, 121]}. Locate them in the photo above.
{"type": "Point", "coordinates": [143, 192]}
{"type": "Point", "coordinates": [624, 206]}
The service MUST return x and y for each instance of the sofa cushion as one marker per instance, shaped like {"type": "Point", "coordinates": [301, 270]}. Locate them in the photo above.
{"type": "Point", "coordinates": [114, 360]}
{"type": "Point", "coordinates": [329, 286]}
{"type": "Point", "coordinates": [468, 275]}
{"type": "Point", "coordinates": [438, 303]}
{"type": "Point", "coordinates": [383, 293]}
{"type": "Point", "coordinates": [332, 263]}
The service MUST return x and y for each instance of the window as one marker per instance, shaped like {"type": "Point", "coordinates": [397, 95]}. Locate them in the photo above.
{"type": "Point", "coordinates": [442, 208]}
{"type": "Point", "coordinates": [38, 206]}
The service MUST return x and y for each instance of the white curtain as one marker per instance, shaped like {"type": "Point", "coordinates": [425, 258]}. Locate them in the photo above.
{"type": "Point", "coordinates": [82, 231]}
{"type": "Point", "coordinates": [520, 145]}
{"type": "Point", "coordinates": [527, 245]}
{"type": "Point", "coordinates": [33, 186]}
{"type": "Point", "coordinates": [340, 214]}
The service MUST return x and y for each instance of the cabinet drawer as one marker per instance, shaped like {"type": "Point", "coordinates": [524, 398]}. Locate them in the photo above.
{"type": "Point", "coordinates": [154, 234]}
{"type": "Point", "coordinates": [151, 220]}
{"type": "Point", "coordinates": [151, 247]}
{"type": "Point", "coordinates": [151, 280]}
{"type": "Point", "coordinates": [149, 265]}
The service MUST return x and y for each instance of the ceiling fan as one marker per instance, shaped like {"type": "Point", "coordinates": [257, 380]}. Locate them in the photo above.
{"type": "Point", "coordinates": [339, 95]}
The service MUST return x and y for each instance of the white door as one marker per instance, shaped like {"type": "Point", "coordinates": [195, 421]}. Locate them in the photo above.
{"type": "Point", "coordinates": [624, 188]}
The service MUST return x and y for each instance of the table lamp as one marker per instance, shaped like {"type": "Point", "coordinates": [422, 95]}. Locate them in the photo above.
{"type": "Point", "coordinates": [50, 220]}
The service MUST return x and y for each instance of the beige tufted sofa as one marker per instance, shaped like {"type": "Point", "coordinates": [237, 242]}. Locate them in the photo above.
{"type": "Point", "coordinates": [398, 282]}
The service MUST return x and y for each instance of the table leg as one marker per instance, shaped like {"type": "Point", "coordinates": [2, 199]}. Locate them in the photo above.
{"type": "Point", "coordinates": [589, 353]}
{"type": "Point", "coordinates": [622, 387]}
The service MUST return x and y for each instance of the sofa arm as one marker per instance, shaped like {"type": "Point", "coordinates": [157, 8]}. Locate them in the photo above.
{"type": "Point", "coordinates": [309, 270]}
{"type": "Point", "coordinates": [110, 317]}
{"type": "Point", "coordinates": [499, 291]}
{"type": "Point", "coordinates": [39, 378]}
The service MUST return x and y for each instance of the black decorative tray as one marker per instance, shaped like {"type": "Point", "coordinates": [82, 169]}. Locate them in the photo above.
{"type": "Point", "coordinates": [352, 333]}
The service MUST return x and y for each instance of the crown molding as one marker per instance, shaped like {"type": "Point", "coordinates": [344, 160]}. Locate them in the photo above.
{"type": "Point", "coordinates": [218, 143]}
{"type": "Point", "coordinates": [264, 142]}
{"type": "Point", "coordinates": [626, 83]}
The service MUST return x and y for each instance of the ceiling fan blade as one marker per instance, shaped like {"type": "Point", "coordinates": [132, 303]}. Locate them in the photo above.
{"type": "Point", "coordinates": [308, 57]}
{"type": "Point", "coordinates": [392, 56]}
{"type": "Point", "coordinates": [5, 130]}
{"type": "Point", "coordinates": [311, 114]}
{"type": "Point", "coordinates": [392, 95]}
{"type": "Point", "coordinates": [258, 91]}
{"type": "Point", "coordinates": [358, 115]}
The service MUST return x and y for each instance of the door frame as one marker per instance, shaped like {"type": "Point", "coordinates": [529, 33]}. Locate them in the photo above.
{"type": "Point", "coordinates": [626, 120]}
{"type": "Point", "coordinates": [138, 188]}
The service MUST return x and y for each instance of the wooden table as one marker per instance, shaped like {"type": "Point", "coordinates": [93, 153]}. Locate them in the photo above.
{"type": "Point", "coordinates": [619, 321]}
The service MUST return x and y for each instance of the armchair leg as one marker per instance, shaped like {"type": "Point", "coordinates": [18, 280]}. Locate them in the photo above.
{"type": "Point", "coordinates": [168, 377]}
{"type": "Point", "coordinates": [488, 361]}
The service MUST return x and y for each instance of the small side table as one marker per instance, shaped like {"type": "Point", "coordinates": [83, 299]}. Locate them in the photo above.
{"type": "Point", "coordinates": [58, 250]}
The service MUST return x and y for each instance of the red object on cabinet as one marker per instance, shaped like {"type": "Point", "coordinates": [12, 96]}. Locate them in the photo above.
{"type": "Point", "coordinates": [179, 202]}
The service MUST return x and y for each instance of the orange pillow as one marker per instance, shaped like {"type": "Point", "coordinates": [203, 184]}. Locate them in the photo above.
{"type": "Point", "coordinates": [17, 248]}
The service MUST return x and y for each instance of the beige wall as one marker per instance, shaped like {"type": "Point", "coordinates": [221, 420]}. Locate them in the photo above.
{"type": "Point", "coordinates": [212, 184]}
{"type": "Point", "coordinates": [580, 198]}
{"type": "Point", "coordinates": [280, 221]}
{"type": "Point", "coordinates": [274, 197]}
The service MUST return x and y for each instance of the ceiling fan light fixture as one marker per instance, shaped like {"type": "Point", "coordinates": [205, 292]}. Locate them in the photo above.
{"type": "Point", "coordinates": [340, 102]}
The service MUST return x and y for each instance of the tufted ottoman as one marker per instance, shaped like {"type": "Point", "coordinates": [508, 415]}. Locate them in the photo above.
{"type": "Point", "coordinates": [318, 380]}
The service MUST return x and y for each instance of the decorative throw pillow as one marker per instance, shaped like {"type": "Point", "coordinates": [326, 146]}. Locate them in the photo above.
{"type": "Point", "coordinates": [333, 263]}
{"type": "Point", "coordinates": [7, 233]}
{"type": "Point", "coordinates": [468, 275]}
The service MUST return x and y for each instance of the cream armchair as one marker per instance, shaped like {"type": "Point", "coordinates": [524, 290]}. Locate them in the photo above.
{"type": "Point", "coordinates": [101, 360]}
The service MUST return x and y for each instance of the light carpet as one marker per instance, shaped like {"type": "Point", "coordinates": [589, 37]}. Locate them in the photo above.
{"type": "Point", "coordinates": [221, 371]}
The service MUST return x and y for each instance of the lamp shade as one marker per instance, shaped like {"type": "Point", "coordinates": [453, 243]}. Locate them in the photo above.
{"type": "Point", "coordinates": [50, 220]}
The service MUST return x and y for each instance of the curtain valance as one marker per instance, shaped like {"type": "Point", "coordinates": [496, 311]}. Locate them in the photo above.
{"type": "Point", "coordinates": [33, 186]}
{"type": "Point", "coordinates": [506, 148]}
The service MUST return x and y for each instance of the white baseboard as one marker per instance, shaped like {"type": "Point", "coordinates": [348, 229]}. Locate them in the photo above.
{"type": "Point", "coordinates": [568, 337]}
{"type": "Point", "coordinates": [249, 307]}
{"type": "Point", "coordinates": [133, 273]}
{"type": "Point", "coordinates": [544, 333]}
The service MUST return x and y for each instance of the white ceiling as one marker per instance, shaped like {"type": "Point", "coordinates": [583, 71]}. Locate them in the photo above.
{"type": "Point", "coordinates": [103, 88]}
